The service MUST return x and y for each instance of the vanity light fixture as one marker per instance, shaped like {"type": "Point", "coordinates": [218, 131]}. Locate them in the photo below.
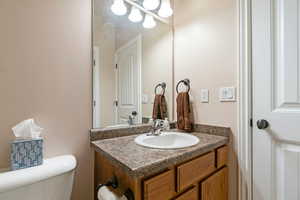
{"type": "Point", "coordinates": [135, 15]}
{"type": "Point", "coordinates": [151, 4]}
{"type": "Point", "coordinates": [119, 7]}
{"type": "Point", "coordinates": [149, 22]}
{"type": "Point", "coordinates": [165, 10]}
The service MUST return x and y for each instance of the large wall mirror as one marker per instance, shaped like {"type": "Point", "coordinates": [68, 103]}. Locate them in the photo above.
{"type": "Point", "coordinates": [132, 51]}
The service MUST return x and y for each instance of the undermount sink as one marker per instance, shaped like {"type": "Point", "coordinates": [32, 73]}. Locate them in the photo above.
{"type": "Point", "coordinates": [167, 140]}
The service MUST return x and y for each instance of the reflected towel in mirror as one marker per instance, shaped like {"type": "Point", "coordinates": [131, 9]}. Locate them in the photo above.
{"type": "Point", "coordinates": [159, 107]}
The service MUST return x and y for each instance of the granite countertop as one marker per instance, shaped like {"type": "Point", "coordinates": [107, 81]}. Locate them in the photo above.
{"type": "Point", "coordinates": [139, 161]}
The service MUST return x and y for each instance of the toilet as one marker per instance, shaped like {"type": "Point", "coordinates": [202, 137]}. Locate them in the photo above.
{"type": "Point", "coordinates": [51, 181]}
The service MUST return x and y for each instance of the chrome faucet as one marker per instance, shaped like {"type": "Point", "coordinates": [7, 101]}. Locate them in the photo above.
{"type": "Point", "coordinates": [157, 127]}
{"type": "Point", "coordinates": [130, 120]}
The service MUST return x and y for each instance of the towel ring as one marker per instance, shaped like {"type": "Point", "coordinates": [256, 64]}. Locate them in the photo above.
{"type": "Point", "coordinates": [114, 184]}
{"type": "Point", "coordinates": [186, 82]}
{"type": "Point", "coordinates": [163, 85]}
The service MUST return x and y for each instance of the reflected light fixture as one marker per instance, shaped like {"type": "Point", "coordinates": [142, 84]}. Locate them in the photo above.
{"type": "Point", "coordinates": [165, 9]}
{"type": "Point", "coordinates": [135, 15]}
{"type": "Point", "coordinates": [149, 22]}
{"type": "Point", "coordinates": [151, 4]}
{"type": "Point", "coordinates": [119, 7]}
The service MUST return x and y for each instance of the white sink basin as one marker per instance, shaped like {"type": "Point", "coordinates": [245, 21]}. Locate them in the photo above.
{"type": "Point", "coordinates": [167, 140]}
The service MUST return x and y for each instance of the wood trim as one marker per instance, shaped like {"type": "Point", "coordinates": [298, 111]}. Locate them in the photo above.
{"type": "Point", "coordinates": [245, 101]}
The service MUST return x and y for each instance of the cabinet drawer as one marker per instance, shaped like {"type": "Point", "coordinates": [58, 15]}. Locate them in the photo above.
{"type": "Point", "coordinates": [191, 194]}
{"type": "Point", "coordinates": [160, 187]}
{"type": "Point", "coordinates": [222, 156]}
{"type": "Point", "coordinates": [216, 186]}
{"type": "Point", "coordinates": [192, 171]}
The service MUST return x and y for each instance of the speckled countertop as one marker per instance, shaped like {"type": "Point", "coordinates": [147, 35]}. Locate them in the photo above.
{"type": "Point", "coordinates": [140, 161]}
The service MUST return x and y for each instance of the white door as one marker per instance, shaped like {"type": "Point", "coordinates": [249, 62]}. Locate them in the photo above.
{"type": "Point", "coordinates": [276, 98]}
{"type": "Point", "coordinates": [129, 81]}
{"type": "Point", "coordinates": [96, 88]}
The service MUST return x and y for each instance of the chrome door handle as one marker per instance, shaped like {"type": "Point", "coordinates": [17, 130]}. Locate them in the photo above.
{"type": "Point", "coordinates": [262, 124]}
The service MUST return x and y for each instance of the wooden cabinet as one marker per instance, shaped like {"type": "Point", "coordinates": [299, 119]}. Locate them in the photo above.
{"type": "Point", "coordinates": [192, 171]}
{"type": "Point", "coordinates": [222, 156]}
{"type": "Point", "coordinates": [191, 194]}
{"type": "Point", "coordinates": [215, 187]}
{"type": "Point", "coordinates": [160, 187]}
{"type": "Point", "coordinates": [202, 178]}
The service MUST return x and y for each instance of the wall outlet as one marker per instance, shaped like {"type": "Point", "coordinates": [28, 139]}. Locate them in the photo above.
{"type": "Point", "coordinates": [227, 94]}
{"type": "Point", "coordinates": [204, 95]}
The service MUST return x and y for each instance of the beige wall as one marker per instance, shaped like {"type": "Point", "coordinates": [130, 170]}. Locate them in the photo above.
{"type": "Point", "coordinates": [45, 73]}
{"type": "Point", "coordinates": [157, 65]}
{"type": "Point", "coordinates": [206, 53]}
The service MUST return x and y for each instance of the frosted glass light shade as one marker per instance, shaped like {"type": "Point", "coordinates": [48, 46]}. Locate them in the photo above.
{"type": "Point", "coordinates": [149, 22]}
{"type": "Point", "coordinates": [118, 7]}
{"type": "Point", "coordinates": [151, 4]}
{"type": "Point", "coordinates": [135, 15]}
{"type": "Point", "coordinates": [165, 9]}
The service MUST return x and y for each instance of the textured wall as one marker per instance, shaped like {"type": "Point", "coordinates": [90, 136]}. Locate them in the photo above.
{"type": "Point", "coordinates": [45, 73]}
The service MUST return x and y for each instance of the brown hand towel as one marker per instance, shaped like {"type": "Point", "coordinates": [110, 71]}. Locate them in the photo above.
{"type": "Point", "coordinates": [184, 121]}
{"type": "Point", "coordinates": [159, 107]}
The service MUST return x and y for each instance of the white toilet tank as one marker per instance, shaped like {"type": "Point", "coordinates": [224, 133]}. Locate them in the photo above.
{"type": "Point", "coordinates": [51, 181]}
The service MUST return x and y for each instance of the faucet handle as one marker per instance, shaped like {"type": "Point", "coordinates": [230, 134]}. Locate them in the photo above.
{"type": "Point", "coordinates": [158, 123]}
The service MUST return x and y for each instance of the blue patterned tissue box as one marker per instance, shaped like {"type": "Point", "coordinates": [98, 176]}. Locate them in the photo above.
{"type": "Point", "coordinates": [26, 153]}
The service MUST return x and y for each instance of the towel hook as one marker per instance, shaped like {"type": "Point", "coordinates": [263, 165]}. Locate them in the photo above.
{"type": "Point", "coordinates": [163, 85]}
{"type": "Point", "coordinates": [115, 184]}
{"type": "Point", "coordinates": [186, 82]}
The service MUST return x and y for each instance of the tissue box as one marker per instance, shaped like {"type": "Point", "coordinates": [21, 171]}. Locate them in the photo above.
{"type": "Point", "coordinates": [26, 153]}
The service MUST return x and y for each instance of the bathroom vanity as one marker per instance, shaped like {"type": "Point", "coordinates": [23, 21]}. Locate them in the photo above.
{"type": "Point", "coordinates": [192, 173]}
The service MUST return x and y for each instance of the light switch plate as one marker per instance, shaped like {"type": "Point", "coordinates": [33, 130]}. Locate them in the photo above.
{"type": "Point", "coordinates": [145, 99]}
{"type": "Point", "coordinates": [204, 95]}
{"type": "Point", "coordinates": [227, 94]}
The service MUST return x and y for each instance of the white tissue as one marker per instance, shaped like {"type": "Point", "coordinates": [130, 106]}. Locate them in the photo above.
{"type": "Point", "coordinates": [104, 193]}
{"type": "Point", "coordinates": [27, 129]}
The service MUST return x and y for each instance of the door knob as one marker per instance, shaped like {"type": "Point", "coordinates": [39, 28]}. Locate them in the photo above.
{"type": "Point", "coordinates": [262, 124]}
{"type": "Point", "coordinates": [134, 113]}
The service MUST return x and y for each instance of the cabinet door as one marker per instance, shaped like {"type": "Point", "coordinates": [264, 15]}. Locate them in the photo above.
{"type": "Point", "coordinates": [194, 170]}
{"type": "Point", "coordinates": [215, 187]}
{"type": "Point", "coordinates": [191, 194]}
{"type": "Point", "coordinates": [222, 156]}
{"type": "Point", "coordinates": [160, 187]}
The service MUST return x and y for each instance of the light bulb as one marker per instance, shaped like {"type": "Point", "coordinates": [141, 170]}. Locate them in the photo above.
{"type": "Point", "coordinates": [165, 9]}
{"type": "Point", "coordinates": [151, 4]}
{"type": "Point", "coordinates": [135, 15]}
{"type": "Point", "coordinates": [149, 22]}
{"type": "Point", "coordinates": [118, 7]}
